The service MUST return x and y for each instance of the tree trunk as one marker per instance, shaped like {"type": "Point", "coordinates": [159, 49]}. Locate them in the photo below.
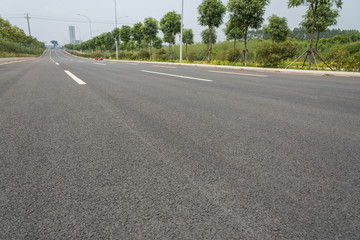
{"type": "Point", "coordinates": [126, 54]}
{"type": "Point", "coordinates": [317, 41]}
{"type": "Point", "coordinates": [245, 48]}
{"type": "Point", "coordinates": [170, 50]}
{"type": "Point", "coordinates": [314, 9]}
{"type": "Point", "coordinates": [234, 43]}
{"type": "Point", "coordinates": [150, 50]}
{"type": "Point", "coordinates": [210, 45]}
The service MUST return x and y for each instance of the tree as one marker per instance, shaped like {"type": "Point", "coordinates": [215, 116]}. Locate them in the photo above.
{"type": "Point", "coordinates": [125, 36]}
{"type": "Point", "coordinates": [232, 32]}
{"type": "Point", "coordinates": [150, 29]}
{"type": "Point", "coordinates": [54, 42]}
{"type": "Point", "coordinates": [137, 33]}
{"type": "Point", "coordinates": [277, 28]}
{"type": "Point", "coordinates": [325, 18]}
{"type": "Point", "coordinates": [116, 34]}
{"type": "Point", "coordinates": [205, 36]}
{"type": "Point", "coordinates": [246, 14]}
{"type": "Point", "coordinates": [170, 25]}
{"type": "Point", "coordinates": [188, 39]}
{"type": "Point", "coordinates": [313, 7]}
{"type": "Point", "coordinates": [158, 43]}
{"type": "Point", "coordinates": [211, 15]}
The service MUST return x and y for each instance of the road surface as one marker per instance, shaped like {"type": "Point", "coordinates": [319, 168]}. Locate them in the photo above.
{"type": "Point", "coordinates": [114, 150]}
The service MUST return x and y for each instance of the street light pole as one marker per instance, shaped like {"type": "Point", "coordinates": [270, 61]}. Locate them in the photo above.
{"type": "Point", "coordinates": [89, 23]}
{"type": "Point", "coordinates": [181, 34]}
{"type": "Point", "coordinates": [116, 41]}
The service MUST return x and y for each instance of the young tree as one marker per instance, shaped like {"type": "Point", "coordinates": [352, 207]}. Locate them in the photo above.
{"type": "Point", "coordinates": [125, 36]}
{"type": "Point", "coordinates": [211, 15]}
{"type": "Point", "coordinates": [205, 36]}
{"type": "Point", "coordinates": [150, 29]}
{"type": "Point", "coordinates": [170, 25]}
{"type": "Point", "coordinates": [313, 6]}
{"type": "Point", "coordinates": [137, 33]}
{"type": "Point", "coordinates": [158, 43]}
{"type": "Point", "coordinates": [116, 34]}
{"type": "Point", "coordinates": [246, 14]}
{"type": "Point", "coordinates": [277, 28]}
{"type": "Point", "coordinates": [188, 39]}
{"type": "Point", "coordinates": [54, 42]}
{"type": "Point", "coordinates": [232, 32]}
{"type": "Point", "coordinates": [325, 18]}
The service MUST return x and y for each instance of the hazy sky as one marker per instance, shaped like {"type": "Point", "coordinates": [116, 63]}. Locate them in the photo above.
{"type": "Point", "coordinates": [136, 10]}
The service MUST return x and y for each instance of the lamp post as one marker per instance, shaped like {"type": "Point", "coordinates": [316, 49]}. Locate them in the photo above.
{"type": "Point", "coordinates": [116, 41]}
{"type": "Point", "coordinates": [89, 23]}
{"type": "Point", "coordinates": [181, 34]}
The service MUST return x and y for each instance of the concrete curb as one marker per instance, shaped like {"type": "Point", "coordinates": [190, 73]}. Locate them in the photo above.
{"type": "Point", "coordinates": [256, 69]}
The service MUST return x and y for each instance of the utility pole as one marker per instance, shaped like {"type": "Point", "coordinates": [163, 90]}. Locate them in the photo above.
{"type": "Point", "coordinates": [181, 34]}
{"type": "Point", "coordinates": [27, 17]}
{"type": "Point", "coordinates": [116, 41]}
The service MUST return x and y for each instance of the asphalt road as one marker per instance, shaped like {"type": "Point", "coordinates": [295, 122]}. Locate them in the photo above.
{"type": "Point", "coordinates": [143, 151]}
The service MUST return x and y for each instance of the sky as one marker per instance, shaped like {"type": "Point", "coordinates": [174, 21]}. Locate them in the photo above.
{"type": "Point", "coordinates": [45, 15]}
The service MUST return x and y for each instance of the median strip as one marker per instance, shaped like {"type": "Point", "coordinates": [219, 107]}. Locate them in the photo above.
{"type": "Point", "coordinates": [235, 73]}
{"type": "Point", "coordinates": [75, 78]}
{"type": "Point", "coordinates": [179, 76]}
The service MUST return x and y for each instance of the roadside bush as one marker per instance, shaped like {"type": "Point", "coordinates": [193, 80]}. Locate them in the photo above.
{"type": "Point", "coordinates": [132, 56]}
{"type": "Point", "coordinates": [353, 48]}
{"type": "Point", "coordinates": [273, 54]}
{"type": "Point", "coordinates": [143, 54]}
{"type": "Point", "coordinates": [340, 39]}
{"type": "Point", "coordinates": [233, 55]}
{"type": "Point", "coordinates": [161, 55]}
{"type": "Point", "coordinates": [338, 57]}
{"type": "Point", "coordinates": [191, 56]}
{"type": "Point", "coordinates": [353, 63]}
{"type": "Point", "coordinates": [355, 37]}
{"type": "Point", "coordinates": [12, 47]}
{"type": "Point", "coordinates": [221, 56]}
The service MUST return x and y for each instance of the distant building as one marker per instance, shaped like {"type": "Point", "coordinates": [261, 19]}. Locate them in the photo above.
{"type": "Point", "coordinates": [72, 34]}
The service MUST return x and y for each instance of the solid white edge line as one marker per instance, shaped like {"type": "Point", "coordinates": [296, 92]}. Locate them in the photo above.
{"type": "Point", "coordinates": [75, 78]}
{"type": "Point", "coordinates": [179, 76]}
{"type": "Point", "coordinates": [235, 73]}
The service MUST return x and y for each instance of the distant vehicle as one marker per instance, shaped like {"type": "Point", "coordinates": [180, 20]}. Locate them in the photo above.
{"type": "Point", "coordinates": [98, 58]}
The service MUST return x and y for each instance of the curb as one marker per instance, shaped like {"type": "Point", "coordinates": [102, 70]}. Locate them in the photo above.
{"type": "Point", "coordinates": [256, 69]}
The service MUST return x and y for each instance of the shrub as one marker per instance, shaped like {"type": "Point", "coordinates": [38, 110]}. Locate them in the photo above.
{"type": "Point", "coordinates": [233, 55]}
{"type": "Point", "coordinates": [340, 39]}
{"type": "Point", "coordinates": [353, 48]}
{"type": "Point", "coordinates": [143, 54]}
{"type": "Point", "coordinates": [132, 56]}
{"type": "Point", "coordinates": [338, 57]}
{"type": "Point", "coordinates": [221, 56]}
{"type": "Point", "coordinates": [355, 37]}
{"type": "Point", "coordinates": [272, 54]}
{"type": "Point", "coordinates": [191, 56]}
{"type": "Point", "coordinates": [161, 55]}
{"type": "Point", "coordinates": [353, 63]}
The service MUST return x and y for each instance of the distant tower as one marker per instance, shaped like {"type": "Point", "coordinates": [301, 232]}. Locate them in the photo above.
{"type": "Point", "coordinates": [72, 34]}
